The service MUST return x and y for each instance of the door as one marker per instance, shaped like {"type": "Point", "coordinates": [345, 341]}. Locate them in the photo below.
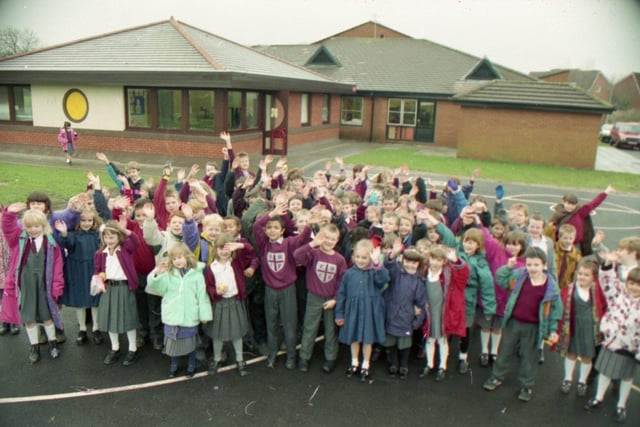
{"type": "Point", "coordinates": [275, 134]}
{"type": "Point", "coordinates": [426, 123]}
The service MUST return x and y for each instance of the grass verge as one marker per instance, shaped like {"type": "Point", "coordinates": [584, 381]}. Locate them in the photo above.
{"type": "Point", "coordinates": [498, 171]}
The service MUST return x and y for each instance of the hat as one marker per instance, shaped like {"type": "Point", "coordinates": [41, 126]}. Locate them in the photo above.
{"type": "Point", "coordinates": [570, 198]}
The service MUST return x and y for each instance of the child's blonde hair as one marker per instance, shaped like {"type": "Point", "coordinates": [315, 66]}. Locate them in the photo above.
{"type": "Point", "coordinates": [363, 245]}
{"type": "Point", "coordinates": [392, 215]}
{"type": "Point", "coordinates": [196, 205]}
{"type": "Point", "coordinates": [566, 229]}
{"type": "Point", "coordinates": [406, 217]}
{"type": "Point", "coordinates": [179, 249]}
{"type": "Point", "coordinates": [97, 221]}
{"type": "Point", "coordinates": [34, 217]}
{"type": "Point", "coordinates": [212, 220]}
{"type": "Point", "coordinates": [631, 244]}
{"type": "Point", "coordinates": [475, 235]}
{"type": "Point", "coordinates": [111, 228]}
{"type": "Point", "coordinates": [438, 251]}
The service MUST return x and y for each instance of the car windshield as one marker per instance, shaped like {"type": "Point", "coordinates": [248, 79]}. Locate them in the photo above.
{"type": "Point", "coordinates": [630, 128]}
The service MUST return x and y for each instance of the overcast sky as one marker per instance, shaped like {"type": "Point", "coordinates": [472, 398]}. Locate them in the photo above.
{"type": "Point", "coordinates": [526, 35]}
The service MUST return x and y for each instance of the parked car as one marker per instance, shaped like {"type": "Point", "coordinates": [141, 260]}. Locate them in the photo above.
{"type": "Point", "coordinates": [625, 134]}
{"type": "Point", "coordinates": [605, 132]}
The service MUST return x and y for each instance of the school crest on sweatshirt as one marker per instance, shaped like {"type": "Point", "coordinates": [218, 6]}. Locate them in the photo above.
{"type": "Point", "coordinates": [325, 271]}
{"type": "Point", "coordinates": [275, 260]}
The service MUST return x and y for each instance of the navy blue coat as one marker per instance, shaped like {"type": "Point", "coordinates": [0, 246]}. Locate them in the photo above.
{"type": "Point", "coordinates": [405, 292]}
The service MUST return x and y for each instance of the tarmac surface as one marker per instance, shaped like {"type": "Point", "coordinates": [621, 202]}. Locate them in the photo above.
{"type": "Point", "coordinates": [79, 390]}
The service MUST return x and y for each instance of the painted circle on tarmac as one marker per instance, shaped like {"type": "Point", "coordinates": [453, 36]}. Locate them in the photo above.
{"type": "Point", "coordinates": [75, 105]}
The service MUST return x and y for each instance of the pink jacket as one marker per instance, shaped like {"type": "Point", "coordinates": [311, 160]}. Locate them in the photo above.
{"type": "Point", "coordinates": [64, 141]}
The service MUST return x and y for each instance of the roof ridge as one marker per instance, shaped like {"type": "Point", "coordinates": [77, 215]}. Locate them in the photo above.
{"type": "Point", "coordinates": [178, 26]}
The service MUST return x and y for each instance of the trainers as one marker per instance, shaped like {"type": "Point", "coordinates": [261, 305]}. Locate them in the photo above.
{"type": "Point", "coordinates": [242, 368]}
{"type": "Point", "coordinates": [403, 373]}
{"type": "Point", "coordinates": [581, 390]}
{"type": "Point", "coordinates": [441, 374]}
{"type": "Point", "coordinates": [82, 339]}
{"type": "Point", "coordinates": [291, 363]}
{"type": "Point", "coordinates": [484, 360]}
{"type": "Point", "coordinates": [365, 376]}
{"type": "Point", "coordinates": [393, 369]}
{"type": "Point", "coordinates": [328, 366]}
{"type": "Point", "coordinates": [130, 358]}
{"type": "Point", "coordinates": [463, 367]}
{"type": "Point", "coordinates": [303, 365]}
{"type": "Point", "coordinates": [98, 339]}
{"type": "Point", "coordinates": [353, 370]}
{"type": "Point", "coordinates": [492, 384]}
{"type": "Point", "coordinates": [213, 367]}
{"type": "Point", "coordinates": [592, 404]}
{"type": "Point", "coordinates": [565, 388]}
{"type": "Point", "coordinates": [112, 356]}
{"type": "Point", "coordinates": [34, 353]}
{"type": "Point", "coordinates": [53, 349]}
{"type": "Point", "coordinates": [621, 415]}
{"type": "Point", "coordinates": [525, 394]}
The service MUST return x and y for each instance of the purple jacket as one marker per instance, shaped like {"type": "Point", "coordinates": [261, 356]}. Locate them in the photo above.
{"type": "Point", "coordinates": [125, 256]}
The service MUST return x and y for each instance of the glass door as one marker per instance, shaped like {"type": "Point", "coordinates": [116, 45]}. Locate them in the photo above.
{"type": "Point", "coordinates": [426, 123]}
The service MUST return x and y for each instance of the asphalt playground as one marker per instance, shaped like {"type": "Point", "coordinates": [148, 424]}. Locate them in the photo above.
{"type": "Point", "coordinates": [79, 390]}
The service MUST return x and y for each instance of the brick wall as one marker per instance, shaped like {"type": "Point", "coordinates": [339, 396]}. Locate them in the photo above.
{"type": "Point", "coordinates": [553, 138]}
{"type": "Point", "coordinates": [561, 77]}
{"type": "Point", "coordinates": [626, 93]}
{"type": "Point", "coordinates": [605, 88]}
{"type": "Point", "coordinates": [370, 30]}
{"type": "Point", "coordinates": [448, 118]}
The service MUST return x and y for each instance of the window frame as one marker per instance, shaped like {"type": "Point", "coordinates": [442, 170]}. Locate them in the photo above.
{"type": "Point", "coordinates": [351, 122]}
{"type": "Point", "coordinates": [402, 112]}
{"type": "Point", "coordinates": [326, 108]}
{"type": "Point", "coordinates": [305, 109]}
{"type": "Point", "coordinates": [11, 103]}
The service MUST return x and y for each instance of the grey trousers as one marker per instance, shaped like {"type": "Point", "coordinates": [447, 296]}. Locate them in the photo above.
{"type": "Point", "coordinates": [281, 305]}
{"type": "Point", "coordinates": [522, 338]}
{"type": "Point", "coordinates": [313, 313]}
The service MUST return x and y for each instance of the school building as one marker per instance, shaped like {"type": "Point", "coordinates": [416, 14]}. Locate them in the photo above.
{"type": "Point", "coordinates": [168, 87]}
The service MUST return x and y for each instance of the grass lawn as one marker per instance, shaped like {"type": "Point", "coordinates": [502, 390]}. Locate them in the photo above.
{"type": "Point", "coordinates": [17, 181]}
{"type": "Point", "coordinates": [498, 171]}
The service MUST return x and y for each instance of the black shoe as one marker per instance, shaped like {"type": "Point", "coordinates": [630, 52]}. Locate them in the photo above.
{"type": "Point", "coordinates": [213, 367]}
{"type": "Point", "coordinates": [61, 338]}
{"type": "Point", "coordinates": [592, 404]}
{"type": "Point", "coordinates": [4, 328]}
{"type": "Point", "coordinates": [34, 353]}
{"type": "Point", "coordinates": [393, 370]}
{"type": "Point", "coordinates": [441, 374]}
{"type": "Point", "coordinates": [353, 370]}
{"type": "Point", "coordinates": [403, 373]}
{"type": "Point", "coordinates": [463, 367]}
{"type": "Point", "coordinates": [172, 373]}
{"type": "Point", "coordinates": [53, 349]}
{"type": "Point", "coordinates": [191, 371]}
{"type": "Point", "coordinates": [621, 415]}
{"type": "Point", "coordinates": [157, 344]}
{"type": "Point", "coordinates": [484, 360]}
{"type": "Point", "coordinates": [112, 356]}
{"type": "Point", "coordinates": [423, 374]}
{"type": "Point", "coordinates": [242, 368]}
{"type": "Point", "coordinates": [130, 358]}
{"type": "Point", "coordinates": [365, 376]}
{"type": "Point", "coordinates": [328, 366]}
{"type": "Point", "coordinates": [303, 365]}
{"type": "Point", "coordinates": [98, 339]}
{"type": "Point", "coordinates": [375, 355]}
{"type": "Point", "coordinates": [14, 329]}
{"type": "Point", "coordinates": [82, 339]}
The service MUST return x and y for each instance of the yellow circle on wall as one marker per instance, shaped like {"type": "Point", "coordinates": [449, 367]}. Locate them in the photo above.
{"type": "Point", "coordinates": [75, 105]}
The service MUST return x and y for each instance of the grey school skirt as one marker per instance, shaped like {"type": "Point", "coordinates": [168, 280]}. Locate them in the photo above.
{"type": "Point", "coordinates": [229, 320]}
{"type": "Point", "coordinates": [175, 345]}
{"type": "Point", "coordinates": [615, 365]}
{"type": "Point", "coordinates": [481, 320]}
{"type": "Point", "coordinates": [117, 311]}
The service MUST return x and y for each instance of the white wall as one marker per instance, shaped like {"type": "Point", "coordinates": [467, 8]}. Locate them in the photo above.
{"type": "Point", "coordinates": [106, 106]}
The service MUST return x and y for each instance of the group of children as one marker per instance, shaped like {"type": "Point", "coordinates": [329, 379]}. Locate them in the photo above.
{"type": "Point", "coordinates": [385, 262]}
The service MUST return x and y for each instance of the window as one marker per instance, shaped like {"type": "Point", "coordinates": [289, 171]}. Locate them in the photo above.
{"type": "Point", "coordinates": [139, 112]}
{"type": "Point", "coordinates": [305, 98]}
{"type": "Point", "coordinates": [351, 112]}
{"type": "Point", "coordinates": [169, 109]}
{"type": "Point", "coordinates": [251, 115]}
{"type": "Point", "coordinates": [402, 112]}
{"type": "Point", "coordinates": [234, 110]}
{"type": "Point", "coordinates": [201, 110]}
{"type": "Point", "coordinates": [15, 103]}
{"type": "Point", "coordinates": [325, 108]}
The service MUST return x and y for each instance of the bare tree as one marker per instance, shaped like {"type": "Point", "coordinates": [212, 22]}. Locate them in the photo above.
{"type": "Point", "coordinates": [14, 40]}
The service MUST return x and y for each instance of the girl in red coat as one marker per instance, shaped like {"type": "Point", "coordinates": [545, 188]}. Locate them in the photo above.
{"type": "Point", "coordinates": [579, 328]}
{"type": "Point", "coordinates": [446, 280]}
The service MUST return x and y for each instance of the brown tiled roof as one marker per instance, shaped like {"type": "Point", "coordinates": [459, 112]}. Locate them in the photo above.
{"type": "Point", "coordinates": [533, 95]}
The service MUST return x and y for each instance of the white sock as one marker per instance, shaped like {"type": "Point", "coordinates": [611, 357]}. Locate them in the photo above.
{"type": "Point", "coordinates": [94, 316]}
{"type": "Point", "coordinates": [603, 385]}
{"type": "Point", "coordinates": [365, 364]}
{"type": "Point", "coordinates": [495, 341]}
{"type": "Point", "coordinates": [625, 389]}
{"type": "Point", "coordinates": [443, 349]}
{"type": "Point", "coordinates": [463, 356]}
{"type": "Point", "coordinates": [237, 348]}
{"type": "Point", "coordinates": [569, 366]}
{"type": "Point", "coordinates": [484, 341]}
{"type": "Point", "coordinates": [115, 343]}
{"type": "Point", "coordinates": [430, 349]}
{"type": "Point", "coordinates": [81, 317]}
{"type": "Point", "coordinates": [354, 362]}
{"type": "Point", "coordinates": [50, 330]}
{"type": "Point", "coordinates": [585, 369]}
{"type": "Point", "coordinates": [32, 333]}
{"type": "Point", "coordinates": [131, 336]}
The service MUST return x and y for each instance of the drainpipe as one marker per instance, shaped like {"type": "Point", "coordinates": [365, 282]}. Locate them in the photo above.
{"type": "Point", "coordinates": [373, 109]}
